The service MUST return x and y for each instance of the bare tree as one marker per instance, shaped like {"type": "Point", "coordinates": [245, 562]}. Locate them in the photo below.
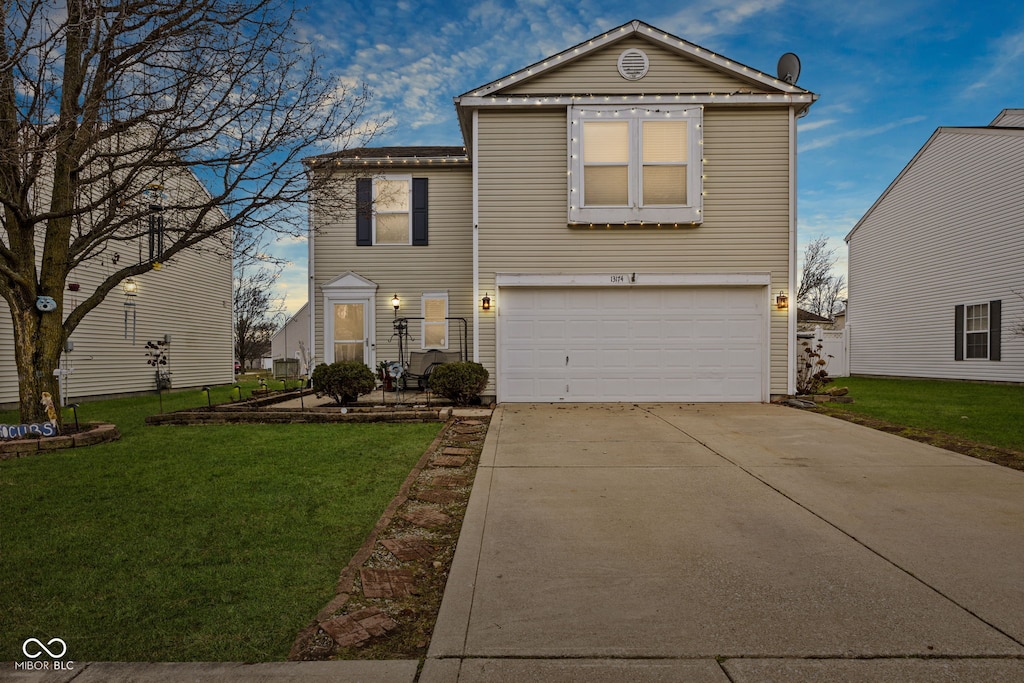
{"type": "Point", "coordinates": [820, 289]}
{"type": "Point", "coordinates": [112, 114]}
{"type": "Point", "coordinates": [257, 311]}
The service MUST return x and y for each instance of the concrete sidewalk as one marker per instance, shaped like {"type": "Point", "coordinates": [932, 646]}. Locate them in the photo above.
{"type": "Point", "coordinates": [729, 543]}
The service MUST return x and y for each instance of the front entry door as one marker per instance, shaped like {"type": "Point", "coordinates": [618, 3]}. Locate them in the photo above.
{"type": "Point", "coordinates": [351, 338]}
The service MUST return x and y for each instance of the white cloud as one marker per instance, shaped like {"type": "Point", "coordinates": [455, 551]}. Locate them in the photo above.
{"type": "Point", "coordinates": [1006, 61]}
{"type": "Point", "coordinates": [806, 126]}
{"type": "Point", "coordinates": [858, 133]}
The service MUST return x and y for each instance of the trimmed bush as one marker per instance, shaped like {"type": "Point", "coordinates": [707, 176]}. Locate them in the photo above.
{"type": "Point", "coordinates": [343, 381]}
{"type": "Point", "coordinates": [461, 383]}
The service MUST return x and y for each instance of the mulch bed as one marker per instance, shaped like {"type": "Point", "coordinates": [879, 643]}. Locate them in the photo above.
{"type": "Point", "coordinates": [389, 594]}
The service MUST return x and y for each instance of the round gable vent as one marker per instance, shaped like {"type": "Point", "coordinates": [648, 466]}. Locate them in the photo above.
{"type": "Point", "coordinates": [633, 64]}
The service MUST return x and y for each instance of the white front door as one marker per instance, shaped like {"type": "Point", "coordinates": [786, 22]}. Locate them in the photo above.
{"type": "Point", "coordinates": [351, 334]}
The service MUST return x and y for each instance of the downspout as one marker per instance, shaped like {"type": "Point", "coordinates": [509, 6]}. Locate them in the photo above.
{"type": "Point", "coordinates": [476, 240]}
{"type": "Point", "coordinates": [310, 270]}
{"type": "Point", "coordinates": [791, 311]}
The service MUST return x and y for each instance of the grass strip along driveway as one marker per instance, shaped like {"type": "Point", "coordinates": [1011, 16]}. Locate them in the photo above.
{"type": "Point", "coordinates": [213, 543]}
{"type": "Point", "coordinates": [982, 420]}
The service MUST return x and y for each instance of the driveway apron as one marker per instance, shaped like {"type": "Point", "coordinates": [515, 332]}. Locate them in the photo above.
{"type": "Point", "coordinates": [729, 542]}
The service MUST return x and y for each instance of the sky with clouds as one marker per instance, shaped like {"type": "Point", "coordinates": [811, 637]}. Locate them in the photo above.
{"type": "Point", "coordinates": [888, 74]}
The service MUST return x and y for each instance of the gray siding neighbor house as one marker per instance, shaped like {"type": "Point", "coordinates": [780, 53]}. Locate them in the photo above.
{"type": "Point", "coordinates": [187, 301]}
{"type": "Point", "coordinates": [936, 275]}
{"type": "Point", "coordinates": [617, 226]}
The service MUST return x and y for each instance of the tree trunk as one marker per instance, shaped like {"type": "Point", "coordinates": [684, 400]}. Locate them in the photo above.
{"type": "Point", "coordinates": [38, 341]}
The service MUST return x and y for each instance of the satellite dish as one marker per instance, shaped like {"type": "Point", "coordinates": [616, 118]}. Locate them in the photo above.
{"type": "Point", "coordinates": [789, 68]}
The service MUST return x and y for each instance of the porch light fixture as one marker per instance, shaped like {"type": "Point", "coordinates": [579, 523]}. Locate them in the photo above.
{"type": "Point", "coordinates": [130, 287]}
{"type": "Point", "coordinates": [396, 303]}
{"type": "Point", "coordinates": [485, 303]}
{"type": "Point", "coordinates": [782, 301]}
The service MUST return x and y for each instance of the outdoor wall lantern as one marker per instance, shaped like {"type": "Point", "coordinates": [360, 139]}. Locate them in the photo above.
{"type": "Point", "coordinates": [130, 287]}
{"type": "Point", "coordinates": [782, 301]}
{"type": "Point", "coordinates": [396, 303]}
{"type": "Point", "coordinates": [485, 303]}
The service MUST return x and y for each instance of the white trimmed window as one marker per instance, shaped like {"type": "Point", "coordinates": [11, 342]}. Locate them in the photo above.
{"type": "Point", "coordinates": [435, 323]}
{"type": "Point", "coordinates": [392, 216]}
{"type": "Point", "coordinates": [976, 331]}
{"type": "Point", "coordinates": [635, 164]}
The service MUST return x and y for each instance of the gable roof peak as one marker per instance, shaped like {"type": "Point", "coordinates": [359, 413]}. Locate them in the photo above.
{"type": "Point", "coordinates": [650, 33]}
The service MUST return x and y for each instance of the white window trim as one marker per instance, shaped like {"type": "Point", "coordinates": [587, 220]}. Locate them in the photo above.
{"type": "Point", "coordinates": [393, 177]}
{"type": "Point", "coordinates": [423, 312]}
{"type": "Point", "coordinates": [986, 331]}
{"type": "Point", "coordinates": [348, 289]}
{"type": "Point", "coordinates": [690, 213]}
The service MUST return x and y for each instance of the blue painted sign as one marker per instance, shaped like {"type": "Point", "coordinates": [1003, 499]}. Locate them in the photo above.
{"type": "Point", "coordinates": [16, 431]}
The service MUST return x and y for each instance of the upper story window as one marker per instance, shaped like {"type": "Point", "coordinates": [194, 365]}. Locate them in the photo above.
{"type": "Point", "coordinates": [635, 164]}
{"type": "Point", "coordinates": [392, 215]}
{"type": "Point", "coordinates": [391, 210]}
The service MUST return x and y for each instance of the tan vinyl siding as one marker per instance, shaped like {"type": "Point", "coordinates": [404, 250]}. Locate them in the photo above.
{"type": "Point", "coordinates": [522, 165]}
{"type": "Point", "coordinates": [598, 73]}
{"type": "Point", "coordinates": [189, 298]}
{"type": "Point", "coordinates": [947, 232]}
{"type": "Point", "coordinates": [446, 264]}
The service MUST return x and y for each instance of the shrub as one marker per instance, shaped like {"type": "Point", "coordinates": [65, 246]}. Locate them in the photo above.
{"type": "Point", "coordinates": [461, 383]}
{"type": "Point", "coordinates": [343, 381]}
{"type": "Point", "coordinates": [811, 369]}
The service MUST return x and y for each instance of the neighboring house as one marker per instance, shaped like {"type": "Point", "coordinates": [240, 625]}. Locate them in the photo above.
{"type": "Point", "coordinates": [839, 320]}
{"type": "Point", "coordinates": [617, 227]}
{"type": "Point", "coordinates": [187, 300]}
{"type": "Point", "coordinates": [806, 321]}
{"type": "Point", "coordinates": [936, 270]}
{"type": "Point", "coordinates": [292, 340]}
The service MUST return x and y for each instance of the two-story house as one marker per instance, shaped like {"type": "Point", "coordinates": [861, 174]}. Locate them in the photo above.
{"type": "Point", "coordinates": [619, 225]}
{"type": "Point", "coordinates": [937, 262]}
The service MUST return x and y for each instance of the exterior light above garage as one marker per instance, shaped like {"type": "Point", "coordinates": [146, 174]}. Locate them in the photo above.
{"type": "Point", "coordinates": [485, 303]}
{"type": "Point", "coordinates": [782, 301]}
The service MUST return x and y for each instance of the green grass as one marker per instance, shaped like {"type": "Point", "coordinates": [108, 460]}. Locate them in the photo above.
{"type": "Point", "coordinates": [189, 543]}
{"type": "Point", "coordinates": [990, 414]}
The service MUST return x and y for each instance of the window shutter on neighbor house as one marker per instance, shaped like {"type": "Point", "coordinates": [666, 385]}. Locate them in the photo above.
{"type": "Point", "coordinates": [364, 212]}
{"type": "Point", "coordinates": [958, 344]}
{"type": "Point", "coordinates": [995, 323]}
{"type": "Point", "coordinates": [419, 212]}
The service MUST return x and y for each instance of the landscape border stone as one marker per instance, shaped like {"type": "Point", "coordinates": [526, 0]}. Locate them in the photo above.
{"type": "Point", "coordinates": [95, 433]}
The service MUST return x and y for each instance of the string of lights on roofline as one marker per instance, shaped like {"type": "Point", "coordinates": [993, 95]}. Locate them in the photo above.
{"type": "Point", "coordinates": [665, 38]}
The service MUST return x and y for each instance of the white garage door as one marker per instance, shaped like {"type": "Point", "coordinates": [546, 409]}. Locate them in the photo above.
{"type": "Point", "coordinates": [592, 344]}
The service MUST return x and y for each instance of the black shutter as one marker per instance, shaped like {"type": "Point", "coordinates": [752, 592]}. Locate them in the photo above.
{"type": "Point", "coordinates": [419, 212]}
{"type": "Point", "coordinates": [364, 212]}
{"type": "Point", "coordinates": [958, 345]}
{"type": "Point", "coordinates": [995, 323]}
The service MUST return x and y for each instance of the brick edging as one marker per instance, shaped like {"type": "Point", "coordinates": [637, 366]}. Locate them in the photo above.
{"type": "Point", "coordinates": [346, 580]}
{"type": "Point", "coordinates": [99, 432]}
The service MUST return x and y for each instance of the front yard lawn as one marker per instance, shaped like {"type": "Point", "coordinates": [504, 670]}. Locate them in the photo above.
{"type": "Point", "coordinates": [189, 543]}
{"type": "Point", "coordinates": [988, 414]}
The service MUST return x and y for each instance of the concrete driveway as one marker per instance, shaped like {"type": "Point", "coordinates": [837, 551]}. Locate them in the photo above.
{"type": "Point", "coordinates": [729, 543]}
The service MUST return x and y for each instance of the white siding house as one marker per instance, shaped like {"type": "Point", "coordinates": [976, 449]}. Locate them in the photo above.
{"type": "Point", "coordinates": [936, 274]}
{"type": "Point", "coordinates": [186, 300]}
{"type": "Point", "coordinates": [292, 340]}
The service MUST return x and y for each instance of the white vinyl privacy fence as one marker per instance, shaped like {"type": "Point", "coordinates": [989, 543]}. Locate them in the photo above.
{"type": "Point", "coordinates": [834, 348]}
